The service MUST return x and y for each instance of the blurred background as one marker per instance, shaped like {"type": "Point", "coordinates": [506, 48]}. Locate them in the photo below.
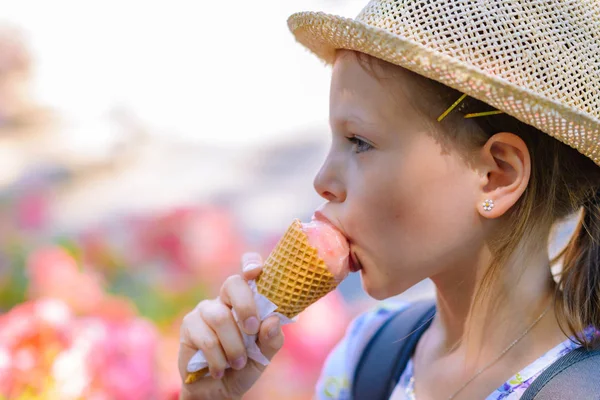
{"type": "Point", "coordinates": [144, 146]}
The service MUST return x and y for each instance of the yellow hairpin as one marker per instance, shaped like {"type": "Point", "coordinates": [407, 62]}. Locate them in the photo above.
{"type": "Point", "coordinates": [472, 115]}
{"type": "Point", "coordinates": [452, 107]}
{"type": "Point", "coordinates": [484, 114]}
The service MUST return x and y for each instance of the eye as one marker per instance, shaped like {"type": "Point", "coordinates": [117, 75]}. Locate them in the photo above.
{"type": "Point", "coordinates": [360, 145]}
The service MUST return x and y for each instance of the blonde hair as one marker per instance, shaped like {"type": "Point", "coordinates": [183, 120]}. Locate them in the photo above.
{"type": "Point", "coordinates": [562, 183]}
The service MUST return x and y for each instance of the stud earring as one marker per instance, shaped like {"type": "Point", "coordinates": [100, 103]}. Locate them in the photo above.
{"type": "Point", "coordinates": [488, 205]}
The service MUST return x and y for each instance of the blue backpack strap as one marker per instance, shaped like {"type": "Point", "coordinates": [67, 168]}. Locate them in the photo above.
{"type": "Point", "coordinates": [385, 357]}
{"type": "Point", "coordinates": [575, 375]}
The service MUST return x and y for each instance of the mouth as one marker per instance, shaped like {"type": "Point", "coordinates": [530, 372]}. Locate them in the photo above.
{"type": "Point", "coordinates": [355, 264]}
{"type": "Point", "coordinates": [319, 216]}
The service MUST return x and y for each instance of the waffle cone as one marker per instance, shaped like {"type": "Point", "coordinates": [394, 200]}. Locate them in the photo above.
{"type": "Point", "coordinates": [294, 276]}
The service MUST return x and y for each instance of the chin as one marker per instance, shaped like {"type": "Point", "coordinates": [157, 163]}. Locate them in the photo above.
{"type": "Point", "coordinates": [381, 290]}
{"type": "Point", "coordinates": [376, 290]}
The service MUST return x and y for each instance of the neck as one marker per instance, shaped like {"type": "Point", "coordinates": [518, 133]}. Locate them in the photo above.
{"type": "Point", "coordinates": [518, 294]}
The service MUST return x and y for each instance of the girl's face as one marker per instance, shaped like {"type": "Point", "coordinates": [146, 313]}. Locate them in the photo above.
{"type": "Point", "coordinates": [407, 203]}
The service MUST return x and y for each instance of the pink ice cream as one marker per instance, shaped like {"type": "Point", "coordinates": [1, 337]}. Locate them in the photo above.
{"type": "Point", "coordinates": [331, 245]}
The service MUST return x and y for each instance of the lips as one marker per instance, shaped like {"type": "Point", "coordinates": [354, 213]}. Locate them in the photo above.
{"type": "Point", "coordinates": [355, 264]}
{"type": "Point", "coordinates": [319, 216]}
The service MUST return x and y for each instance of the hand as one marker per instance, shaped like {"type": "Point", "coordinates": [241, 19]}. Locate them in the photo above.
{"type": "Point", "coordinates": [211, 328]}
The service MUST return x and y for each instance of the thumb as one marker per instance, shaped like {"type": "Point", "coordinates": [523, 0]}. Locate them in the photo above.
{"type": "Point", "coordinates": [251, 265]}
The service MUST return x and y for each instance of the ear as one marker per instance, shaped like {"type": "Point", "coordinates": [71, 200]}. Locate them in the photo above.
{"type": "Point", "coordinates": [505, 172]}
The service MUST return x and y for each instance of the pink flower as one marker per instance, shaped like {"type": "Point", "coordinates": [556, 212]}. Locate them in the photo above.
{"type": "Point", "coordinates": [203, 241]}
{"type": "Point", "coordinates": [122, 357]}
{"type": "Point", "coordinates": [46, 350]}
{"type": "Point", "coordinates": [54, 273]}
{"type": "Point", "coordinates": [31, 335]}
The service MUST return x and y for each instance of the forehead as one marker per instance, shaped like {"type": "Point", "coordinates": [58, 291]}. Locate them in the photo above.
{"type": "Point", "coordinates": [381, 93]}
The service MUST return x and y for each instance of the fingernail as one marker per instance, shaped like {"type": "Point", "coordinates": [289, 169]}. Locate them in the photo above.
{"type": "Point", "coordinates": [251, 325]}
{"type": "Point", "coordinates": [274, 331]}
{"type": "Point", "coordinates": [250, 267]}
{"type": "Point", "coordinates": [239, 363]}
{"type": "Point", "coordinates": [218, 374]}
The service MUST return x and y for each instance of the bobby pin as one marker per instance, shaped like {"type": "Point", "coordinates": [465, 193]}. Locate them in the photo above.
{"type": "Point", "coordinates": [471, 115]}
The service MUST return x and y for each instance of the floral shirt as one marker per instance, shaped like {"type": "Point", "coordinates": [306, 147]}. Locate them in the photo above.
{"type": "Point", "coordinates": [335, 380]}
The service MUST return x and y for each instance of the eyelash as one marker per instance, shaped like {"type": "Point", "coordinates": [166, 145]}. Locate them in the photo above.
{"type": "Point", "coordinates": [358, 142]}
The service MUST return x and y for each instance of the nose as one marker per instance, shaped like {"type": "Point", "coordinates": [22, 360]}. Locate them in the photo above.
{"type": "Point", "coordinates": [328, 182]}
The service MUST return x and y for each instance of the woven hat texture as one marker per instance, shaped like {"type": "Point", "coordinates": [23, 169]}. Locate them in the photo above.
{"type": "Point", "coordinates": [538, 61]}
{"type": "Point", "coordinates": [294, 276]}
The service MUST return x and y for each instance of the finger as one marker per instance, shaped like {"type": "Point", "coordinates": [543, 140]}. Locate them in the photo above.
{"type": "Point", "coordinates": [270, 337]}
{"type": "Point", "coordinates": [185, 354]}
{"type": "Point", "coordinates": [251, 265]}
{"type": "Point", "coordinates": [186, 348]}
{"type": "Point", "coordinates": [220, 319]}
{"type": "Point", "coordinates": [197, 335]}
{"type": "Point", "coordinates": [236, 293]}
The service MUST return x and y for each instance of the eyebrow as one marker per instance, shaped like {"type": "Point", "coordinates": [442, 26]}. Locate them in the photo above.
{"type": "Point", "coordinates": [351, 123]}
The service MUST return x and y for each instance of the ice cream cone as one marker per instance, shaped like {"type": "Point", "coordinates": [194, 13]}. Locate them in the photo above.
{"type": "Point", "coordinates": [294, 276]}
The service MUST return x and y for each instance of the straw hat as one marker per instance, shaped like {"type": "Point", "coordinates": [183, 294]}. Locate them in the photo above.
{"type": "Point", "coordinates": [536, 60]}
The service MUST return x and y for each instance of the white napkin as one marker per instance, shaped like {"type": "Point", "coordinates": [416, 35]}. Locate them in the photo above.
{"type": "Point", "coordinates": [265, 309]}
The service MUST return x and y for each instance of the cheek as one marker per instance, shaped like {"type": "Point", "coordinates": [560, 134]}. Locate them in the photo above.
{"type": "Point", "coordinates": [436, 216]}
{"type": "Point", "coordinates": [372, 202]}
{"type": "Point", "coordinates": [433, 188]}
{"type": "Point", "coordinates": [414, 214]}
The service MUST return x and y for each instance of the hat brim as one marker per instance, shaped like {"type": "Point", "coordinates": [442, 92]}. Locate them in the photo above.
{"type": "Point", "coordinates": [323, 34]}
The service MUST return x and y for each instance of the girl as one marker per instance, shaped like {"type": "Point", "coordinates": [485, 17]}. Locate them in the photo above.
{"type": "Point", "coordinates": [462, 132]}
